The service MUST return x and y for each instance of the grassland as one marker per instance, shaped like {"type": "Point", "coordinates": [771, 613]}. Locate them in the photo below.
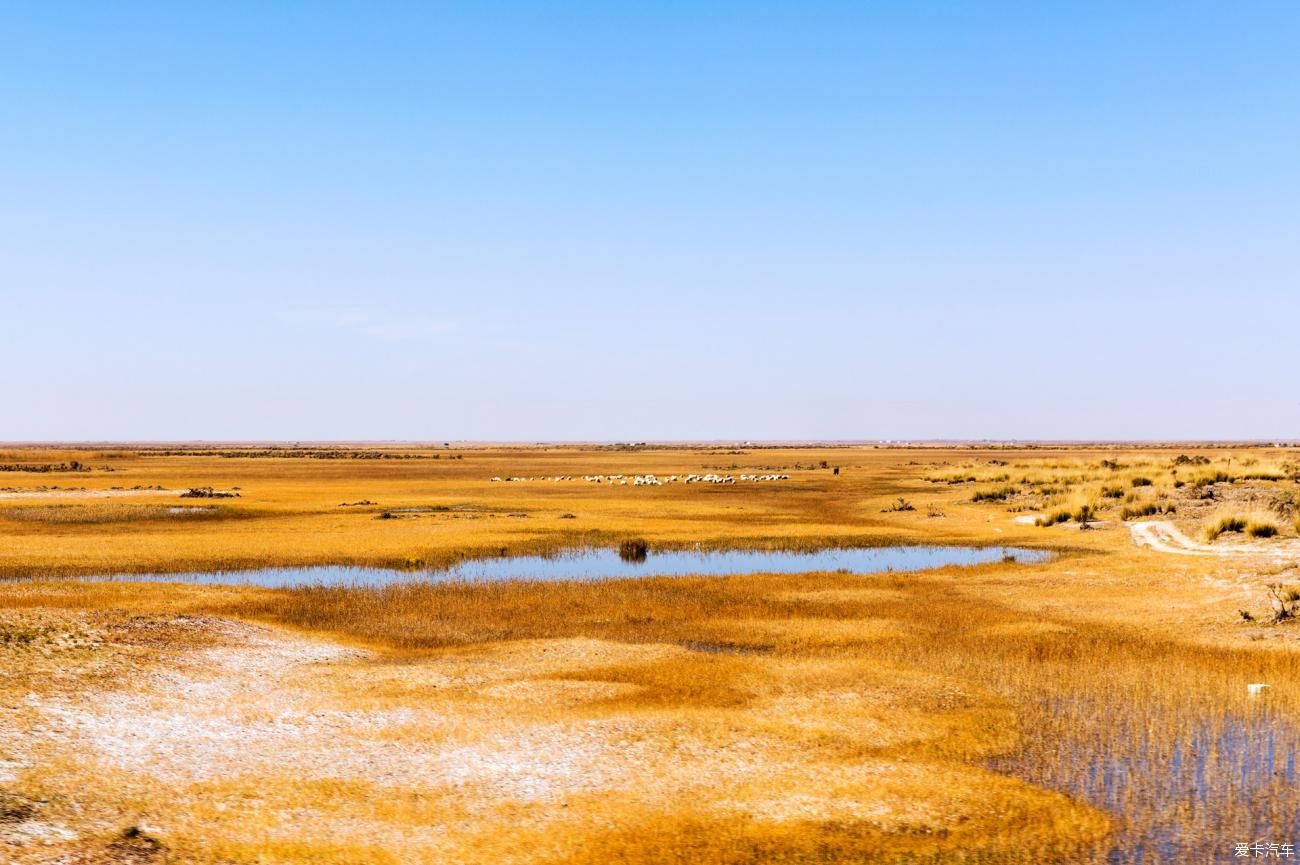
{"type": "Point", "coordinates": [759, 718]}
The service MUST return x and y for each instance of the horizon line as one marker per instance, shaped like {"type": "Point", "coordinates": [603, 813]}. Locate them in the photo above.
{"type": "Point", "coordinates": [1275, 442]}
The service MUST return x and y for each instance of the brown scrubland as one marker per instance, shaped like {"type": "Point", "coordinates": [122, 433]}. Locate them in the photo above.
{"type": "Point", "coordinates": [945, 715]}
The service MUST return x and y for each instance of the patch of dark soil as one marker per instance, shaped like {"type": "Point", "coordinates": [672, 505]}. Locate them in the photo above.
{"type": "Point", "coordinates": [15, 808]}
{"type": "Point", "coordinates": [135, 847]}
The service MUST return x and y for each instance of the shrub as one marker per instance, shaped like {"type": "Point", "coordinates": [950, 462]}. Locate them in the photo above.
{"type": "Point", "coordinates": [1141, 482]}
{"type": "Point", "coordinates": [898, 506]}
{"type": "Point", "coordinates": [1284, 602]}
{"type": "Point", "coordinates": [952, 480]}
{"type": "Point", "coordinates": [997, 494]}
{"type": "Point", "coordinates": [208, 493]}
{"type": "Point", "coordinates": [1112, 492]}
{"type": "Point", "coordinates": [1057, 516]}
{"type": "Point", "coordinates": [1260, 529]}
{"type": "Point", "coordinates": [1283, 503]}
{"type": "Point", "coordinates": [1224, 525]}
{"type": "Point", "coordinates": [633, 550]}
{"type": "Point", "coordinates": [1133, 513]}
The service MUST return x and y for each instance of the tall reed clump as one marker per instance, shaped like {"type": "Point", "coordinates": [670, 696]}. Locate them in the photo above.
{"type": "Point", "coordinates": [1135, 512]}
{"type": "Point", "coordinates": [1224, 525]}
{"type": "Point", "coordinates": [633, 550]}
{"type": "Point", "coordinates": [1060, 515]}
{"type": "Point", "coordinates": [1260, 529]}
{"type": "Point", "coordinates": [997, 494]}
{"type": "Point", "coordinates": [1253, 525]}
{"type": "Point", "coordinates": [1081, 514]}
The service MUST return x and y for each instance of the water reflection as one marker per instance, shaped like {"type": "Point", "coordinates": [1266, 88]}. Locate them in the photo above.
{"type": "Point", "coordinates": [1185, 783]}
{"type": "Point", "coordinates": [601, 563]}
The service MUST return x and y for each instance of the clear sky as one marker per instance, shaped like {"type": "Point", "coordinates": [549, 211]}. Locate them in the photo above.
{"type": "Point", "coordinates": [666, 220]}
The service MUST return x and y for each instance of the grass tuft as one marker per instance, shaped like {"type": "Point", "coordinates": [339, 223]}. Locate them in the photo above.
{"type": "Point", "coordinates": [1136, 512]}
{"type": "Point", "coordinates": [1225, 525]}
{"type": "Point", "coordinates": [1260, 529]}
{"type": "Point", "coordinates": [997, 494]}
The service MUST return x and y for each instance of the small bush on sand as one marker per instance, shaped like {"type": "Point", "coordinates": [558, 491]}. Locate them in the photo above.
{"type": "Point", "coordinates": [997, 494]}
{"type": "Point", "coordinates": [1224, 525]}
{"type": "Point", "coordinates": [1284, 602]}
{"type": "Point", "coordinates": [1141, 482]}
{"type": "Point", "coordinates": [1057, 516]}
{"type": "Point", "coordinates": [1283, 503]}
{"type": "Point", "coordinates": [1136, 512]}
{"type": "Point", "coordinates": [1260, 529]}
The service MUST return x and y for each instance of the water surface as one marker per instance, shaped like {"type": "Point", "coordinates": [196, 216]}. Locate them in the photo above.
{"type": "Point", "coordinates": [601, 564]}
{"type": "Point", "coordinates": [1186, 784]}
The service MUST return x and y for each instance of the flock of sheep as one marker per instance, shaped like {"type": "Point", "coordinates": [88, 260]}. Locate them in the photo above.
{"type": "Point", "coordinates": [650, 480]}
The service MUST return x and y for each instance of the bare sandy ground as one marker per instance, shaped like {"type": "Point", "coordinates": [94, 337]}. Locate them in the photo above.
{"type": "Point", "coordinates": [1166, 537]}
{"type": "Point", "coordinates": [275, 738]}
{"type": "Point", "coordinates": [83, 494]}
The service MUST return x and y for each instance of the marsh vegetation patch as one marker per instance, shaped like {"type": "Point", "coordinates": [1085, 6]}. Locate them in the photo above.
{"type": "Point", "coordinates": [99, 514]}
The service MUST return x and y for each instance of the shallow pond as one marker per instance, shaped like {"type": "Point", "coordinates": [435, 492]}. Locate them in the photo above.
{"type": "Point", "coordinates": [601, 564]}
{"type": "Point", "coordinates": [1185, 784]}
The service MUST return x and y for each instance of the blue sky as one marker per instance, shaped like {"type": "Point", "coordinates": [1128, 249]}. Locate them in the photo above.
{"type": "Point", "coordinates": [665, 221]}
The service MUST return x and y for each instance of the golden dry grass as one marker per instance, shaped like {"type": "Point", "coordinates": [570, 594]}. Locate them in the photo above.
{"type": "Point", "coordinates": [755, 718]}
